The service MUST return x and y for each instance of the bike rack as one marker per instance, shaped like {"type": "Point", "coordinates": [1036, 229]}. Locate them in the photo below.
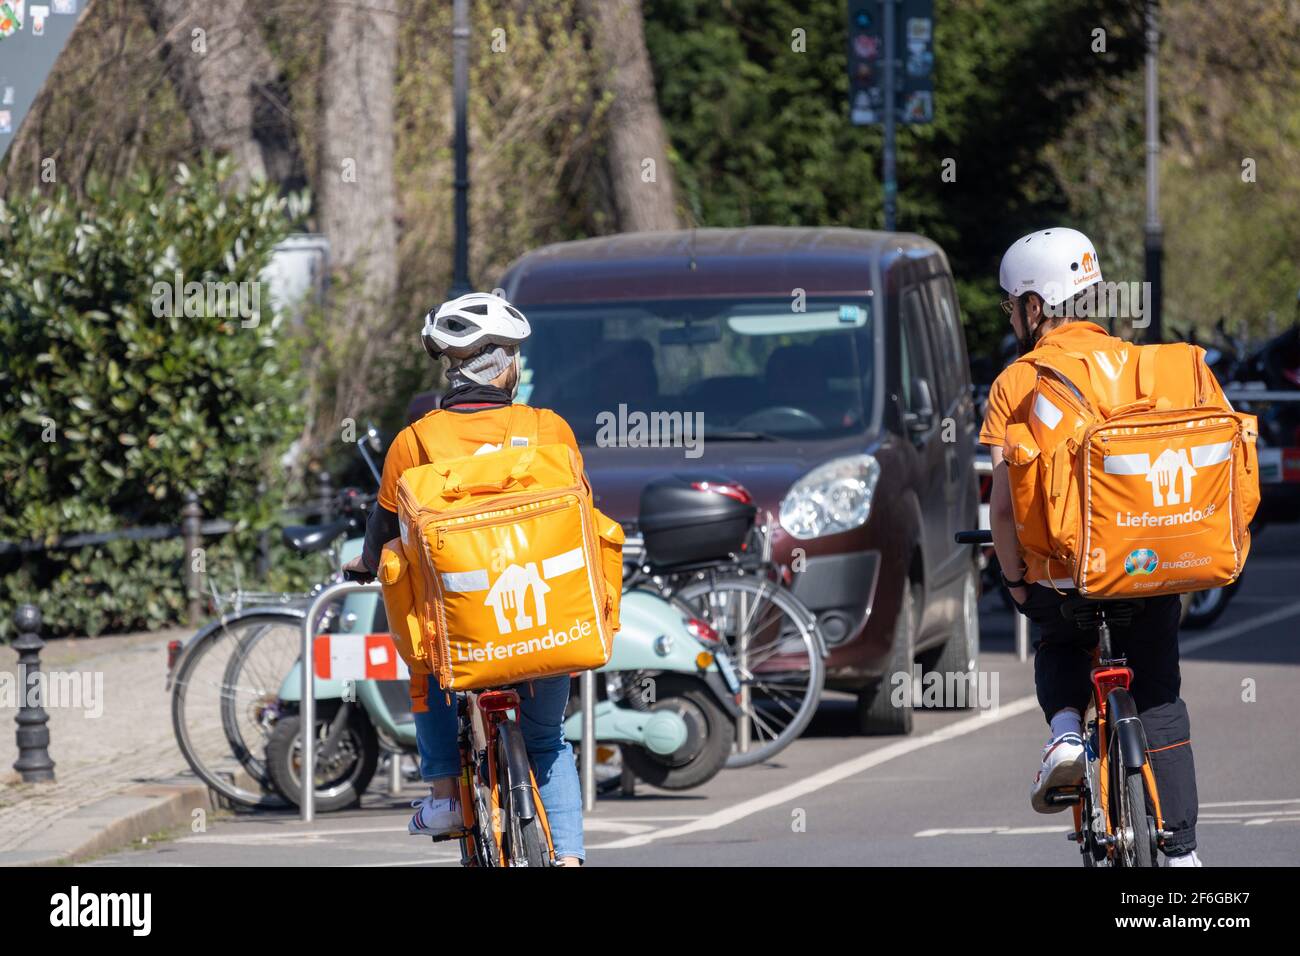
{"type": "Point", "coordinates": [307, 709]}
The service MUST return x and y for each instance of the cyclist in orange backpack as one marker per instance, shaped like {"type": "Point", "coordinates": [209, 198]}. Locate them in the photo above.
{"type": "Point", "coordinates": [1048, 276]}
{"type": "Point", "coordinates": [479, 334]}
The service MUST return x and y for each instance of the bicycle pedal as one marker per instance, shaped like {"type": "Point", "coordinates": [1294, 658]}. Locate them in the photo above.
{"type": "Point", "coordinates": [445, 837]}
{"type": "Point", "coordinates": [1064, 796]}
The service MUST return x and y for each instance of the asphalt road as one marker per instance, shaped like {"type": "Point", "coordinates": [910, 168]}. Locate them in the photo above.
{"type": "Point", "coordinates": [953, 793]}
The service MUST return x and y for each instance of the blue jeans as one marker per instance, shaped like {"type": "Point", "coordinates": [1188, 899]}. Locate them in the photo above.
{"type": "Point", "coordinates": [541, 720]}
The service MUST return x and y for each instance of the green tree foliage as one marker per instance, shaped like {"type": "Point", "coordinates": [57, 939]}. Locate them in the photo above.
{"type": "Point", "coordinates": [762, 132]}
{"type": "Point", "coordinates": [113, 404]}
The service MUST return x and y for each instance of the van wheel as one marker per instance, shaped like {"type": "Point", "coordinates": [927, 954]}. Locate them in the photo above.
{"type": "Point", "coordinates": [877, 713]}
{"type": "Point", "coordinates": [960, 653]}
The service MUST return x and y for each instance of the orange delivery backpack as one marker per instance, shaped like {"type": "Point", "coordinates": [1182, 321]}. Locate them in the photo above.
{"type": "Point", "coordinates": [1133, 476]}
{"type": "Point", "coordinates": [504, 571]}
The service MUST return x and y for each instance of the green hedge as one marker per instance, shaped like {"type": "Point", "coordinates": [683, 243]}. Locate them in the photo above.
{"type": "Point", "coordinates": [112, 405]}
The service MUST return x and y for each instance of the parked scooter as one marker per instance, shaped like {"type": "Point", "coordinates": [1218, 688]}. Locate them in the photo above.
{"type": "Point", "coordinates": [668, 700]}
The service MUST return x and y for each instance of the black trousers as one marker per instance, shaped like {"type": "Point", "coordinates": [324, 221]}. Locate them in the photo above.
{"type": "Point", "coordinates": [1062, 676]}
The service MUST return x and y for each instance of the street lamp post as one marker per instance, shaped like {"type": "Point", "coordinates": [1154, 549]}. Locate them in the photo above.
{"type": "Point", "coordinates": [889, 173]}
{"type": "Point", "coordinates": [1154, 230]}
{"type": "Point", "coordinates": [460, 94]}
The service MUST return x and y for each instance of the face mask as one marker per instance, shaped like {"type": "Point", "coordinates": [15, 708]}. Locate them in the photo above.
{"type": "Point", "coordinates": [514, 389]}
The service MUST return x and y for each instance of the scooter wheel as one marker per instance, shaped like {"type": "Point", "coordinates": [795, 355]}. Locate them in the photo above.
{"type": "Point", "coordinates": [341, 778]}
{"type": "Point", "coordinates": [709, 733]}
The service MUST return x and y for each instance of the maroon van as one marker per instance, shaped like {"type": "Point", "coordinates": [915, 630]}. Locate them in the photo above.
{"type": "Point", "coordinates": [823, 369]}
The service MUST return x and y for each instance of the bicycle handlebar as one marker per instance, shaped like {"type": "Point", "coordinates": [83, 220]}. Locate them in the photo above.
{"type": "Point", "coordinates": [982, 536]}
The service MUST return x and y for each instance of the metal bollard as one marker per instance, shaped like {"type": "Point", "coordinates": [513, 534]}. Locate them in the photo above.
{"type": "Point", "coordinates": [33, 761]}
{"type": "Point", "coordinates": [395, 774]}
{"type": "Point", "coordinates": [1022, 636]}
{"type": "Point", "coordinates": [192, 533]}
{"type": "Point", "coordinates": [587, 683]}
{"type": "Point", "coordinates": [307, 708]}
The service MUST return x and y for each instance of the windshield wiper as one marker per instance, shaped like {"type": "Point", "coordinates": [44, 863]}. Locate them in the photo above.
{"type": "Point", "coordinates": [728, 435]}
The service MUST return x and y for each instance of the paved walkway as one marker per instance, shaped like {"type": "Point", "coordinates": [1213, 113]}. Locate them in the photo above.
{"type": "Point", "coordinates": [110, 731]}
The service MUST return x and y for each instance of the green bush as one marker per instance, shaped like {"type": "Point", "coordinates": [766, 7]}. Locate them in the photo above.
{"type": "Point", "coordinates": [113, 405]}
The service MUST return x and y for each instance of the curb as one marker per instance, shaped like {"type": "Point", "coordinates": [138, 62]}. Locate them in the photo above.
{"type": "Point", "coordinates": [110, 824]}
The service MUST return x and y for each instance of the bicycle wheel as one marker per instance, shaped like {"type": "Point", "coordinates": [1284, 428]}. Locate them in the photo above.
{"type": "Point", "coordinates": [487, 852]}
{"type": "Point", "coordinates": [1134, 829]}
{"type": "Point", "coordinates": [776, 655]}
{"type": "Point", "coordinates": [523, 842]}
{"type": "Point", "coordinates": [225, 698]}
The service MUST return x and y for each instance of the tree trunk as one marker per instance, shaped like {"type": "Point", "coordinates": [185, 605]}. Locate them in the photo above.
{"type": "Point", "coordinates": [636, 146]}
{"type": "Point", "coordinates": [229, 85]}
{"type": "Point", "coordinates": [356, 191]}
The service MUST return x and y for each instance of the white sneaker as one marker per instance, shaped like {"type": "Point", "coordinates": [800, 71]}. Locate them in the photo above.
{"type": "Point", "coordinates": [434, 817]}
{"type": "Point", "coordinates": [1187, 859]}
{"type": "Point", "coordinates": [1062, 767]}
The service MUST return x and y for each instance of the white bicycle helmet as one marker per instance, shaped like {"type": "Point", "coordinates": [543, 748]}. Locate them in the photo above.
{"type": "Point", "coordinates": [1057, 263]}
{"type": "Point", "coordinates": [469, 324]}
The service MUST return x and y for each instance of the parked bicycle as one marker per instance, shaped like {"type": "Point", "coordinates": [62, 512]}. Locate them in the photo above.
{"type": "Point", "coordinates": [225, 681]}
{"type": "Point", "coordinates": [700, 546]}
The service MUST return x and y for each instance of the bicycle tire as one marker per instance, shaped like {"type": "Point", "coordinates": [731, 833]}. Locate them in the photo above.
{"type": "Point", "coordinates": [524, 843]}
{"type": "Point", "coordinates": [1128, 799]}
{"type": "Point", "coordinates": [804, 625]}
{"type": "Point", "coordinates": [487, 852]}
{"type": "Point", "coordinates": [223, 780]}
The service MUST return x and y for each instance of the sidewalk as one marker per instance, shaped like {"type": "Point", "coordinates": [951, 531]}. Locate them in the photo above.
{"type": "Point", "coordinates": [119, 774]}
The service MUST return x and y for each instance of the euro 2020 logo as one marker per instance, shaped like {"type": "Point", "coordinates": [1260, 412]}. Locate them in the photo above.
{"type": "Point", "coordinates": [1141, 561]}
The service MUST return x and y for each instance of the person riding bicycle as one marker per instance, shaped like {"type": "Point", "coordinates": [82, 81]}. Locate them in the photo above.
{"type": "Point", "coordinates": [479, 334]}
{"type": "Point", "coordinates": [1048, 276]}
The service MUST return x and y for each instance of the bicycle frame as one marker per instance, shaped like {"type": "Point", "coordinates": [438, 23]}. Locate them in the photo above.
{"type": "Point", "coordinates": [1109, 675]}
{"type": "Point", "coordinates": [482, 714]}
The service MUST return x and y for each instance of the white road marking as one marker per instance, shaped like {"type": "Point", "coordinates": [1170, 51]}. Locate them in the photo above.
{"type": "Point", "coordinates": [831, 775]}
{"type": "Point", "coordinates": [1249, 803]}
{"type": "Point", "coordinates": [431, 861]}
{"type": "Point", "coordinates": [998, 831]}
{"type": "Point", "coordinates": [590, 824]}
{"type": "Point", "coordinates": [287, 837]}
{"type": "Point", "coordinates": [1241, 627]}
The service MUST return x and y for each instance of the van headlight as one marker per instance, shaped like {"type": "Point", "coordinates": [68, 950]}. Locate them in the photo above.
{"type": "Point", "coordinates": [831, 498]}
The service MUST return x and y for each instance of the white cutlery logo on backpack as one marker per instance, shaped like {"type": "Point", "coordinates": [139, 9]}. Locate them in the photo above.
{"type": "Point", "coordinates": [513, 586]}
{"type": "Point", "coordinates": [1171, 474]}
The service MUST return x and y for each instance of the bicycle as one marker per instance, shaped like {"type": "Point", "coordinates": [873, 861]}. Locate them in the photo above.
{"type": "Point", "coordinates": [774, 641]}
{"type": "Point", "coordinates": [225, 680]}
{"type": "Point", "coordinates": [1117, 818]}
{"type": "Point", "coordinates": [504, 820]}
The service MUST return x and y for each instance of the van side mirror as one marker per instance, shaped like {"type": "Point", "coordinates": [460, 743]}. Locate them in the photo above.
{"type": "Point", "coordinates": [921, 417]}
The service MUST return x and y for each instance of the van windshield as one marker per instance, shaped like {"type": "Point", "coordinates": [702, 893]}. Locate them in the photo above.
{"type": "Point", "coordinates": [753, 370]}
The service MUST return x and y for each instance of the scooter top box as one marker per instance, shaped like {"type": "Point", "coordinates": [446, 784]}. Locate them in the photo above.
{"type": "Point", "coordinates": [685, 519]}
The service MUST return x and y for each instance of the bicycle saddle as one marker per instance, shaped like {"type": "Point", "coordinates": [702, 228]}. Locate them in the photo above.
{"type": "Point", "coordinates": [310, 538]}
{"type": "Point", "coordinates": [1087, 614]}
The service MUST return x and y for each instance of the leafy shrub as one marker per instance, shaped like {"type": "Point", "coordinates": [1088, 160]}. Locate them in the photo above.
{"type": "Point", "coordinates": [112, 405]}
